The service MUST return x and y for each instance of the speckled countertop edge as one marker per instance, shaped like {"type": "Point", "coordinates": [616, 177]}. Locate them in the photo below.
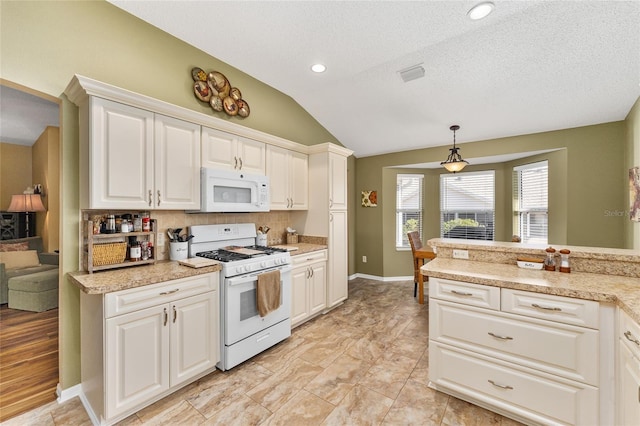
{"type": "Point", "coordinates": [136, 276]}
{"type": "Point", "coordinates": [620, 290]}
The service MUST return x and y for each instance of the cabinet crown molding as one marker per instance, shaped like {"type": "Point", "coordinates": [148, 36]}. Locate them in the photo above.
{"type": "Point", "coordinates": [81, 87]}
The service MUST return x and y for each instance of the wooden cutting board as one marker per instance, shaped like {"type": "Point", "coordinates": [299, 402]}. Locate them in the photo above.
{"type": "Point", "coordinates": [244, 250]}
{"type": "Point", "coordinates": [198, 262]}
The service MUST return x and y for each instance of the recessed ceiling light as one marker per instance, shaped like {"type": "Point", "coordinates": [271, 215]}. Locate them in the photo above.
{"type": "Point", "coordinates": [481, 10]}
{"type": "Point", "coordinates": [318, 68]}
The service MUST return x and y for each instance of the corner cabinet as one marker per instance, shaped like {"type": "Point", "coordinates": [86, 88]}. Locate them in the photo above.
{"type": "Point", "coordinates": [222, 150]}
{"type": "Point", "coordinates": [288, 173]}
{"type": "Point", "coordinates": [628, 373]}
{"type": "Point", "coordinates": [532, 357]}
{"type": "Point", "coordinates": [135, 159]}
{"type": "Point", "coordinates": [141, 344]}
{"type": "Point", "coordinates": [308, 286]}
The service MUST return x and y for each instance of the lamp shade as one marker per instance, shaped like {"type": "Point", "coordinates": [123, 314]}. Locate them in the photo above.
{"type": "Point", "coordinates": [26, 203]}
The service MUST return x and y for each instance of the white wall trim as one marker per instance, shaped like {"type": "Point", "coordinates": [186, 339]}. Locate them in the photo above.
{"type": "Point", "coordinates": [69, 393]}
{"type": "Point", "coordinates": [378, 278]}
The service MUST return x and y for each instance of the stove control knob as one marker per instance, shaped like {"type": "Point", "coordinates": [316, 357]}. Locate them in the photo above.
{"type": "Point", "coordinates": [263, 264]}
{"type": "Point", "coordinates": [247, 268]}
{"type": "Point", "coordinates": [239, 269]}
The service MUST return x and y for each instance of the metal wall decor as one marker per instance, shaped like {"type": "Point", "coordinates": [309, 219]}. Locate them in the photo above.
{"type": "Point", "coordinates": [215, 89]}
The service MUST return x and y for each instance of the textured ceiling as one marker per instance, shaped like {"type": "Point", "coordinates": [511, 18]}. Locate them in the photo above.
{"type": "Point", "coordinates": [531, 66]}
{"type": "Point", "coordinates": [23, 117]}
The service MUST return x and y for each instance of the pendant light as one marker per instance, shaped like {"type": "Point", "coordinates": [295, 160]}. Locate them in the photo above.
{"type": "Point", "coordinates": [454, 162]}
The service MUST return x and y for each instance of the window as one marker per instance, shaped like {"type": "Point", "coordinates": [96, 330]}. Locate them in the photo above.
{"type": "Point", "coordinates": [530, 194]}
{"type": "Point", "coordinates": [467, 205]}
{"type": "Point", "coordinates": [408, 207]}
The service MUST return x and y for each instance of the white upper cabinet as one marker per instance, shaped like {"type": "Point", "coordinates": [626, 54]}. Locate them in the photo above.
{"type": "Point", "coordinates": [222, 150]}
{"type": "Point", "coordinates": [139, 160]}
{"type": "Point", "coordinates": [288, 179]}
{"type": "Point", "coordinates": [337, 182]}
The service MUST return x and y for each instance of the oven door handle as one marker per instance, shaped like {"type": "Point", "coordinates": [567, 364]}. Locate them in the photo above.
{"type": "Point", "coordinates": [243, 279]}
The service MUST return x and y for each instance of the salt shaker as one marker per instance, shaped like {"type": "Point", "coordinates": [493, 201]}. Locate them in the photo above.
{"type": "Point", "coordinates": [564, 261]}
{"type": "Point", "coordinates": [550, 261]}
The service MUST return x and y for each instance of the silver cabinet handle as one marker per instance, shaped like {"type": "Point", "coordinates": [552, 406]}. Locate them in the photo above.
{"type": "Point", "coordinates": [499, 385]}
{"type": "Point", "coordinates": [150, 198]}
{"type": "Point", "coordinates": [165, 316]}
{"type": "Point", "coordinates": [497, 336]}
{"type": "Point", "coordinates": [461, 293]}
{"type": "Point", "coordinates": [240, 159]}
{"type": "Point", "coordinates": [630, 337]}
{"type": "Point", "coordinates": [169, 292]}
{"type": "Point", "coordinates": [175, 314]}
{"type": "Point", "coordinates": [235, 166]}
{"type": "Point", "coordinates": [546, 308]}
{"type": "Point", "coordinates": [159, 198]}
{"type": "Point", "coordinates": [330, 202]}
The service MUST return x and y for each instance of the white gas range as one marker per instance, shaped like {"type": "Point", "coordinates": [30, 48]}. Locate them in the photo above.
{"type": "Point", "coordinates": [244, 333]}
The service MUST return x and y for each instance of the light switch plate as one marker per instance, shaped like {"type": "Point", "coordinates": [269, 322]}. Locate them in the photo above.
{"type": "Point", "coordinates": [461, 254]}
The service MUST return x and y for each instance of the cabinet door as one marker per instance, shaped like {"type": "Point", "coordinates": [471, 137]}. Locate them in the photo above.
{"type": "Point", "coordinates": [337, 285]}
{"type": "Point", "coordinates": [299, 180]}
{"type": "Point", "coordinates": [317, 287]}
{"type": "Point", "coordinates": [629, 386]}
{"type": "Point", "coordinates": [177, 161]}
{"type": "Point", "coordinates": [218, 149]}
{"type": "Point", "coordinates": [251, 156]}
{"type": "Point", "coordinates": [137, 358]}
{"type": "Point", "coordinates": [299, 306]}
{"type": "Point", "coordinates": [194, 336]}
{"type": "Point", "coordinates": [120, 156]}
{"type": "Point", "coordinates": [337, 182]}
{"type": "Point", "coordinates": [278, 173]}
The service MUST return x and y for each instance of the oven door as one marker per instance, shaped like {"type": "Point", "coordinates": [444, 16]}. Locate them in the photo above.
{"type": "Point", "coordinates": [241, 318]}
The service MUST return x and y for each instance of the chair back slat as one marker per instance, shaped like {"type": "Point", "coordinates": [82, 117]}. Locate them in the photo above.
{"type": "Point", "coordinates": [414, 240]}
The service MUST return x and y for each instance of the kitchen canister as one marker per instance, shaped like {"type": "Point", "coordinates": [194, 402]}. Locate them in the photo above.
{"type": "Point", "coordinates": [178, 250]}
{"type": "Point", "coordinates": [261, 240]}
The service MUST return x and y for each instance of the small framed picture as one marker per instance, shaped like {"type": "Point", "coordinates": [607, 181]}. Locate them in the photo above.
{"type": "Point", "coordinates": [369, 198]}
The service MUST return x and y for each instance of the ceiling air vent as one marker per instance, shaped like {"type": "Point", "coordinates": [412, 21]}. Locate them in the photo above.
{"type": "Point", "coordinates": [412, 73]}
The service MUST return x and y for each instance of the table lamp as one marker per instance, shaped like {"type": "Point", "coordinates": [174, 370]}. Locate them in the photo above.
{"type": "Point", "coordinates": [26, 202]}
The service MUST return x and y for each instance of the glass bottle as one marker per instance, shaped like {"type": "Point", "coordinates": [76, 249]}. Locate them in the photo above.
{"type": "Point", "coordinates": [550, 261]}
{"type": "Point", "coordinates": [564, 261]}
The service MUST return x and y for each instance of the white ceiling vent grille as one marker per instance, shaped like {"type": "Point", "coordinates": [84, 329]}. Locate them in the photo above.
{"type": "Point", "coordinates": [412, 73]}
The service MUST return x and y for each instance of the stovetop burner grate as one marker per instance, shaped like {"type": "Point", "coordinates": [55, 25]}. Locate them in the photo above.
{"type": "Point", "coordinates": [228, 255]}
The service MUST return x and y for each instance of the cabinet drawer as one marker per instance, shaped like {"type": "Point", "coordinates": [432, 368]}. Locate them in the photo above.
{"type": "Point", "coordinates": [121, 302]}
{"type": "Point", "coordinates": [481, 296]}
{"type": "Point", "coordinates": [538, 397]}
{"type": "Point", "coordinates": [560, 349]}
{"type": "Point", "coordinates": [629, 333]}
{"type": "Point", "coordinates": [584, 313]}
{"type": "Point", "coordinates": [313, 256]}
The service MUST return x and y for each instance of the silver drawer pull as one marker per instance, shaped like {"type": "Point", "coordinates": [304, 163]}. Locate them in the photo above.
{"type": "Point", "coordinates": [169, 292]}
{"type": "Point", "coordinates": [499, 385]}
{"type": "Point", "coordinates": [546, 308]}
{"type": "Point", "coordinates": [461, 293]}
{"type": "Point", "coordinates": [630, 337]}
{"type": "Point", "coordinates": [497, 336]}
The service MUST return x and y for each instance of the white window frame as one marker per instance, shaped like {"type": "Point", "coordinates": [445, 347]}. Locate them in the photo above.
{"type": "Point", "coordinates": [537, 205]}
{"type": "Point", "coordinates": [402, 242]}
{"type": "Point", "coordinates": [482, 210]}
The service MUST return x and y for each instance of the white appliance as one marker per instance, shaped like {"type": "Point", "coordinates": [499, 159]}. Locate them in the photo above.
{"type": "Point", "coordinates": [243, 332]}
{"type": "Point", "coordinates": [233, 191]}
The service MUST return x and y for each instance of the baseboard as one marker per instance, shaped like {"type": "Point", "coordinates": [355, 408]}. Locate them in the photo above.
{"type": "Point", "coordinates": [384, 279]}
{"type": "Point", "coordinates": [67, 394]}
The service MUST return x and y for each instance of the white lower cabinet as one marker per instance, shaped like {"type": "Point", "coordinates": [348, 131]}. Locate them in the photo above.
{"type": "Point", "coordinates": [141, 344]}
{"type": "Point", "coordinates": [517, 353]}
{"type": "Point", "coordinates": [308, 286]}
{"type": "Point", "coordinates": [628, 371]}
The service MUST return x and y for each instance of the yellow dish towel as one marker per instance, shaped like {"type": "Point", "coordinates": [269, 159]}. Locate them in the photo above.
{"type": "Point", "coordinates": [268, 292]}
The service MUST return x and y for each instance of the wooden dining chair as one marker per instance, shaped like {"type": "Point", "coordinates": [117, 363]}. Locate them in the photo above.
{"type": "Point", "coordinates": [419, 257]}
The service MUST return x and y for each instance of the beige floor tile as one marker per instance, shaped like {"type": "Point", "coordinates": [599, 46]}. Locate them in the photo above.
{"type": "Point", "coordinates": [339, 378]}
{"type": "Point", "coordinates": [389, 374]}
{"type": "Point", "coordinates": [303, 409]}
{"type": "Point", "coordinates": [417, 404]}
{"type": "Point", "coordinates": [168, 404]}
{"type": "Point", "coordinates": [181, 413]}
{"type": "Point", "coordinates": [361, 406]}
{"type": "Point", "coordinates": [70, 413]}
{"type": "Point", "coordinates": [459, 412]}
{"type": "Point", "coordinates": [241, 411]}
{"type": "Point", "coordinates": [420, 373]}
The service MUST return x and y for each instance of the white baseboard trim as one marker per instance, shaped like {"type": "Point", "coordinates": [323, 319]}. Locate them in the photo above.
{"type": "Point", "coordinates": [67, 394]}
{"type": "Point", "coordinates": [384, 279]}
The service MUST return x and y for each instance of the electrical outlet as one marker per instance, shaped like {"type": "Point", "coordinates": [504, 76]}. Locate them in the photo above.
{"type": "Point", "coordinates": [160, 241]}
{"type": "Point", "coordinates": [461, 254]}
{"type": "Point", "coordinates": [364, 259]}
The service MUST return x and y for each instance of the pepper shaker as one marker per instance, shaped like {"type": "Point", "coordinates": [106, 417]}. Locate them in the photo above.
{"type": "Point", "coordinates": [564, 261]}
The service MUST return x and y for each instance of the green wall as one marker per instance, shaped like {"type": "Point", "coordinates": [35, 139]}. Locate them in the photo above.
{"type": "Point", "coordinates": [587, 179]}
{"type": "Point", "coordinates": [44, 43]}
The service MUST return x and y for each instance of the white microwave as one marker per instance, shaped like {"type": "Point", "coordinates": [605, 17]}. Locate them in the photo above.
{"type": "Point", "coordinates": [233, 191]}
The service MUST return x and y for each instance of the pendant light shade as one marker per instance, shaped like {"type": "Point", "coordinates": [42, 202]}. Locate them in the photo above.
{"type": "Point", "coordinates": [454, 162]}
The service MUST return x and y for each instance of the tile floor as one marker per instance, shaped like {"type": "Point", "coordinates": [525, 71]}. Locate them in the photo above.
{"type": "Point", "coordinates": [364, 363]}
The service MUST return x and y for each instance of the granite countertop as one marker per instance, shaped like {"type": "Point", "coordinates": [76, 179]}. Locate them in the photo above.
{"type": "Point", "coordinates": [620, 290]}
{"type": "Point", "coordinates": [135, 276]}
{"type": "Point", "coordinates": [304, 248]}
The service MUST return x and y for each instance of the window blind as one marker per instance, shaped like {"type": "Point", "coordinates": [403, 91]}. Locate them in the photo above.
{"type": "Point", "coordinates": [531, 193]}
{"type": "Point", "coordinates": [409, 195]}
{"type": "Point", "coordinates": [467, 205]}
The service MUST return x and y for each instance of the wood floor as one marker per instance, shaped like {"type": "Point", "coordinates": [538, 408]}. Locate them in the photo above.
{"type": "Point", "coordinates": [28, 360]}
